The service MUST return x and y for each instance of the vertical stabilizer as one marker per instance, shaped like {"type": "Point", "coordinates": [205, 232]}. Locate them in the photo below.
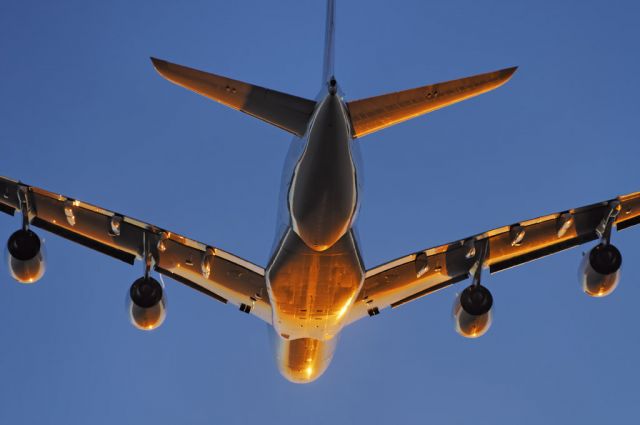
{"type": "Point", "coordinates": [329, 42]}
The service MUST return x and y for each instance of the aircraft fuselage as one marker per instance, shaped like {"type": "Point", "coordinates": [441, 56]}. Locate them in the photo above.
{"type": "Point", "coordinates": [316, 272]}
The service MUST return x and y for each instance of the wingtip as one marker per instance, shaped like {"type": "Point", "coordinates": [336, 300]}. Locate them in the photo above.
{"type": "Point", "coordinates": [158, 64]}
{"type": "Point", "coordinates": [510, 71]}
{"type": "Point", "coordinates": [505, 74]}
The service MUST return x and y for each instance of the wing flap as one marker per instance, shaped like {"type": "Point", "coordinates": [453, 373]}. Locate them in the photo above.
{"type": "Point", "coordinates": [290, 113]}
{"type": "Point", "coordinates": [84, 240]}
{"type": "Point", "coordinates": [375, 113]}
{"type": "Point", "coordinates": [227, 281]}
{"type": "Point", "coordinates": [56, 213]}
{"type": "Point", "coordinates": [406, 279]}
{"type": "Point", "coordinates": [630, 211]}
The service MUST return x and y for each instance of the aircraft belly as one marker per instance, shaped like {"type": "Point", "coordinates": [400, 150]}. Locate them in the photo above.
{"type": "Point", "coordinates": [303, 360]}
{"type": "Point", "coordinates": [310, 291]}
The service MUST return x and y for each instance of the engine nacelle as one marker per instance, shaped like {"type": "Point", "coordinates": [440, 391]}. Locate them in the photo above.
{"type": "Point", "coordinates": [472, 311]}
{"type": "Point", "coordinates": [599, 272]}
{"type": "Point", "coordinates": [147, 307]}
{"type": "Point", "coordinates": [25, 256]}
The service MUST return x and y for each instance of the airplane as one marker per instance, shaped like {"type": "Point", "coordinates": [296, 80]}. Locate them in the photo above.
{"type": "Point", "coordinates": [315, 283]}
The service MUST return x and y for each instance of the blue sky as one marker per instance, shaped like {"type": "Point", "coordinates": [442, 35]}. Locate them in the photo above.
{"type": "Point", "coordinates": [83, 113]}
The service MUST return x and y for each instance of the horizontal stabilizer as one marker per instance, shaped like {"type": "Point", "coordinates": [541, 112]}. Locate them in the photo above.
{"type": "Point", "coordinates": [375, 113]}
{"type": "Point", "coordinates": [290, 113]}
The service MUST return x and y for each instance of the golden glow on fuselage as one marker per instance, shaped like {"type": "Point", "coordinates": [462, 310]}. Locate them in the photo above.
{"type": "Point", "coordinates": [303, 360]}
{"type": "Point", "coordinates": [345, 307]}
{"type": "Point", "coordinates": [316, 271]}
{"type": "Point", "coordinates": [311, 291]}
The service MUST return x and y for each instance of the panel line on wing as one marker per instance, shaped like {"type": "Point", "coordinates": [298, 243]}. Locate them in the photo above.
{"type": "Point", "coordinates": [543, 252]}
{"type": "Point", "coordinates": [430, 290]}
{"type": "Point", "coordinates": [190, 284]}
{"type": "Point", "coordinates": [85, 241]}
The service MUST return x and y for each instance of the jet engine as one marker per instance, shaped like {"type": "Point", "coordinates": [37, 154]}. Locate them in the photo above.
{"type": "Point", "coordinates": [472, 311]}
{"type": "Point", "coordinates": [25, 256]}
{"type": "Point", "coordinates": [147, 307]}
{"type": "Point", "coordinates": [600, 270]}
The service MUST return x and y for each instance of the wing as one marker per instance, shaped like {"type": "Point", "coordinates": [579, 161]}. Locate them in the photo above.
{"type": "Point", "coordinates": [421, 273]}
{"type": "Point", "coordinates": [375, 113]}
{"type": "Point", "coordinates": [212, 271]}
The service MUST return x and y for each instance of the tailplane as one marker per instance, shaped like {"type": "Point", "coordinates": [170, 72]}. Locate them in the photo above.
{"type": "Point", "coordinates": [288, 112]}
{"type": "Point", "coordinates": [375, 113]}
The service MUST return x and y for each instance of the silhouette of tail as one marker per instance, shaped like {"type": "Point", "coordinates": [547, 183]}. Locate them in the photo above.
{"type": "Point", "coordinates": [329, 42]}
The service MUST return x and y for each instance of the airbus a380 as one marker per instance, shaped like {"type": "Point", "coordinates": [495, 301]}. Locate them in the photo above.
{"type": "Point", "coordinates": [315, 283]}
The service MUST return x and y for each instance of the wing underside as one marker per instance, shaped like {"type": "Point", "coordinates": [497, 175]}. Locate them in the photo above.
{"type": "Point", "coordinates": [421, 273]}
{"type": "Point", "coordinates": [288, 112]}
{"type": "Point", "coordinates": [212, 271]}
{"type": "Point", "coordinates": [375, 113]}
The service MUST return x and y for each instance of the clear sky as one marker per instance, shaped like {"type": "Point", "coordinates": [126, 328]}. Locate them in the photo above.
{"type": "Point", "coordinates": [83, 113]}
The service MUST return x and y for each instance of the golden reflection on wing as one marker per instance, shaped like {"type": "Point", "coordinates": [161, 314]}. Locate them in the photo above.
{"type": "Point", "coordinates": [210, 270]}
{"type": "Point", "coordinates": [288, 112]}
{"type": "Point", "coordinates": [375, 113]}
{"type": "Point", "coordinates": [413, 276]}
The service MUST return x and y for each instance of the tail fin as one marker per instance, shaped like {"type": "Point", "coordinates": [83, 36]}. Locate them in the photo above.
{"type": "Point", "coordinates": [290, 113]}
{"type": "Point", "coordinates": [329, 42]}
{"type": "Point", "coordinates": [375, 113]}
